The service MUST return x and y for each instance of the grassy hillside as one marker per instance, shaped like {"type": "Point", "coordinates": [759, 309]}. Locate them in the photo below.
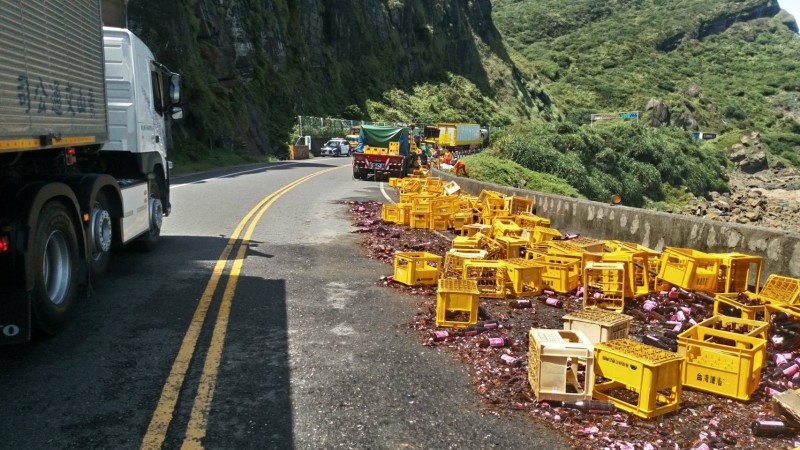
{"type": "Point", "coordinates": [728, 66]}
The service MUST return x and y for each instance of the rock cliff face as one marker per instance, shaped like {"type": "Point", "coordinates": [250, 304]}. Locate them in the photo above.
{"type": "Point", "coordinates": [718, 24]}
{"type": "Point", "coordinates": [251, 66]}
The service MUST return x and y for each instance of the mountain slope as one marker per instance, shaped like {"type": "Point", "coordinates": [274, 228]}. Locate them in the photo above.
{"type": "Point", "coordinates": [717, 65]}
{"type": "Point", "coordinates": [252, 66]}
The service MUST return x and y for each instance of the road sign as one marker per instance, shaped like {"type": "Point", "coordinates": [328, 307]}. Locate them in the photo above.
{"type": "Point", "coordinates": [627, 115]}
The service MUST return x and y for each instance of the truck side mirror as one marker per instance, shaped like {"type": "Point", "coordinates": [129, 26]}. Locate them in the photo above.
{"type": "Point", "coordinates": [177, 113]}
{"type": "Point", "coordinates": [175, 89]}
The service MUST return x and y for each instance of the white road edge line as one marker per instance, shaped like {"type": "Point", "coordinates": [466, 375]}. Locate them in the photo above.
{"type": "Point", "coordinates": [385, 195]}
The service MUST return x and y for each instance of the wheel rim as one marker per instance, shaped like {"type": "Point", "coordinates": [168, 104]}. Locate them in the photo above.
{"type": "Point", "coordinates": [156, 213]}
{"type": "Point", "coordinates": [101, 231]}
{"type": "Point", "coordinates": [56, 267]}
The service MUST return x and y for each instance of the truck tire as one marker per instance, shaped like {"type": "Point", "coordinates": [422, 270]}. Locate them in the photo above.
{"type": "Point", "coordinates": [150, 239]}
{"type": "Point", "coordinates": [101, 236]}
{"type": "Point", "coordinates": [55, 268]}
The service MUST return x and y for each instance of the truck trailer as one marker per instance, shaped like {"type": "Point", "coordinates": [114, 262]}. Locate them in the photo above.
{"type": "Point", "coordinates": [456, 137]}
{"type": "Point", "coordinates": [84, 111]}
{"type": "Point", "coordinates": [383, 150]}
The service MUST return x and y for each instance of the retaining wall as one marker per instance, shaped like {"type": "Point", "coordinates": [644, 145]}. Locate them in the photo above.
{"type": "Point", "coordinates": [655, 229]}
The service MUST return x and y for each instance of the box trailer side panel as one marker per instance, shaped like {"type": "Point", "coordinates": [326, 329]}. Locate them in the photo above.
{"type": "Point", "coordinates": [52, 87]}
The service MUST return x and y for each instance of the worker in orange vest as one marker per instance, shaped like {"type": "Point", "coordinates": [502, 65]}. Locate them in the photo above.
{"type": "Point", "coordinates": [447, 157]}
{"type": "Point", "coordinates": [460, 169]}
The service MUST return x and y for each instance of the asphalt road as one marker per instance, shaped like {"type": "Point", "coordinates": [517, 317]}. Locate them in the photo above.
{"type": "Point", "coordinates": [284, 342]}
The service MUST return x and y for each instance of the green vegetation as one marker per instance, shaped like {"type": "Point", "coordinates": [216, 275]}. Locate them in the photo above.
{"type": "Point", "coordinates": [491, 168]}
{"type": "Point", "coordinates": [626, 159]}
{"type": "Point", "coordinates": [617, 55]}
{"type": "Point", "coordinates": [189, 155]}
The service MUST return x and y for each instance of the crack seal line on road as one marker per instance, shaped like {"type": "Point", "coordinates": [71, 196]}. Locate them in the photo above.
{"type": "Point", "coordinates": [163, 414]}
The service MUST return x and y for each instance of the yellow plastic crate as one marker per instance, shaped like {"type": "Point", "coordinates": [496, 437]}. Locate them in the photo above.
{"type": "Point", "coordinates": [461, 219]}
{"type": "Point", "coordinates": [519, 205]}
{"type": "Point", "coordinates": [651, 374]}
{"type": "Point", "coordinates": [454, 261]}
{"type": "Point", "coordinates": [417, 268]}
{"type": "Point", "coordinates": [451, 188]}
{"type": "Point", "coordinates": [754, 328]}
{"type": "Point", "coordinates": [422, 202]}
{"type": "Point", "coordinates": [562, 273]}
{"type": "Point", "coordinates": [638, 280]}
{"type": "Point", "coordinates": [588, 244]}
{"type": "Point", "coordinates": [420, 220]}
{"type": "Point", "coordinates": [456, 297]}
{"type": "Point", "coordinates": [721, 362]}
{"type": "Point", "coordinates": [543, 234]}
{"type": "Point", "coordinates": [688, 268]}
{"type": "Point", "coordinates": [409, 186]}
{"type": "Point", "coordinates": [781, 289]}
{"type": "Point", "coordinates": [440, 222]}
{"type": "Point", "coordinates": [569, 248]}
{"type": "Point", "coordinates": [405, 213]}
{"type": "Point", "coordinates": [529, 220]}
{"type": "Point", "coordinates": [599, 325]}
{"type": "Point", "coordinates": [467, 242]}
{"type": "Point", "coordinates": [505, 226]}
{"type": "Point", "coordinates": [434, 185]}
{"type": "Point", "coordinates": [390, 213]}
{"type": "Point", "coordinates": [474, 228]}
{"type": "Point", "coordinates": [490, 277]}
{"type": "Point", "coordinates": [512, 247]}
{"type": "Point", "coordinates": [556, 358]}
{"type": "Point", "coordinates": [604, 285]}
{"type": "Point", "coordinates": [395, 182]}
{"type": "Point", "coordinates": [395, 145]}
{"type": "Point", "coordinates": [444, 205]}
{"type": "Point", "coordinates": [728, 304]}
{"type": "Point", "coordinates": [735, 270]}
{"type": "Point", "coordinates": [525, 276]}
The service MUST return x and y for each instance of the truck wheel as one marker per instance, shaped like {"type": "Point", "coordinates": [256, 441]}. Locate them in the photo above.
{"type": "Point", "coordinates": [55, 266]}
{"type": "Point", "coordinates": [100, 237]}
{"type": "Point", "coordinates": [359, 174]}
{"type": "Point", "coordinates": [150, 239]}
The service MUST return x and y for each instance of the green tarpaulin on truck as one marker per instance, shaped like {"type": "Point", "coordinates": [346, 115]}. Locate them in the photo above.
{"type": "Point", "coordinates": [381, 135]}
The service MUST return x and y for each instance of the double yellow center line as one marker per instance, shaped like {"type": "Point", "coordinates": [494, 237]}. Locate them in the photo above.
{"type": "Point", "coordinates": [196, 428]}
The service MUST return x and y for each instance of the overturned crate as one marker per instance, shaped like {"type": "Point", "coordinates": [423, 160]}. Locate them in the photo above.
{"type": "Point", "coordinates": [688, 268]}
{"type": "Point", "coordinates": [456, 303]}
{"type": "Point", "coordinates": [639, 281]}
{"type": "Point", "coordinates": [643, 380]}
{"type": "Point", "coordinates": [604, 285]}
{"type": "Point", "coordinates": [736, 270]}
{"type": "Point", "coordinates": [455, 259]}
{"type": "Point", "coordinates": [524, 275]}
{"type": "Point", "coordinates": [779, 293]}
{"type": "Point", "coordinates": [417, 268]}
{"type": "Point", "coordinates": [490, 277]}
{"type": "Point", "coordinates": [561, 274]}
{"type": "Point", "coordinates": [560, 365]}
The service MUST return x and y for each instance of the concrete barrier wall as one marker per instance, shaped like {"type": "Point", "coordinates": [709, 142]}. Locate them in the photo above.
{"type": "Point", "coordinates": [655, 229]}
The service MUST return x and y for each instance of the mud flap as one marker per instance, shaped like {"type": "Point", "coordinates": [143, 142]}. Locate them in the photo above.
{"type": "Point", "coordinates": [15, 316]}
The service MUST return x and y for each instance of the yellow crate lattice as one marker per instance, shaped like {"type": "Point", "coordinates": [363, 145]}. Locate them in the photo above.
{"type": "Point", "coordinates": [456, 297]}
{"type": "Point", "coordinates": [652, 373]}
{"type": "Point", "coordinates": [604, 285]}
{"type": "Point", "coordinates": [490, 277]}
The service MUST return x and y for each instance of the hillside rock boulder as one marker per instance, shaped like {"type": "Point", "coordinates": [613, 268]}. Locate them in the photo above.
{"type": "Point", "coordinates": [659, 112]}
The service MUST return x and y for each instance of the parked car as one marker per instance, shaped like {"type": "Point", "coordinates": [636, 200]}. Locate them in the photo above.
{"type": "Point", "coordinates": [335, 147]}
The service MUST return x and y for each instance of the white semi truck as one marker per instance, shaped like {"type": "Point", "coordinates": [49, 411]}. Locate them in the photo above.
{"type": "Point", "coordinates": [84, 111]}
